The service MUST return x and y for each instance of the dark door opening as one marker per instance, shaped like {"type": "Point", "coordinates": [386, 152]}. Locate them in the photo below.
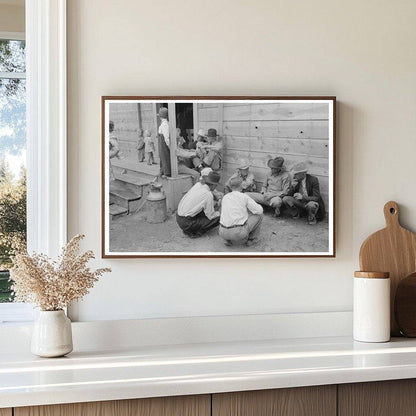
{"type": "Point", "coordinates": [185, 121]}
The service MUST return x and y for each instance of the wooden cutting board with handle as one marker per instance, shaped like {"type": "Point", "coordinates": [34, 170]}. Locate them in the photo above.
{"type": "Point", "coordinates": [393, 250]}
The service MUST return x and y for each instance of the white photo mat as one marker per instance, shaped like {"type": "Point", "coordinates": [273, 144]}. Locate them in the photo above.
{"type": "Point", "coordinates": [294, 123]}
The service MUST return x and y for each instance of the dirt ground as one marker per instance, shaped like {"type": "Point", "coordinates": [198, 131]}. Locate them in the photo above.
{"type": "Point", "coordinates": [133, 234]}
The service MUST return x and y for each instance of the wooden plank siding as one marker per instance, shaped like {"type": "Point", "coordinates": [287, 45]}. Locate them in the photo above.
{"type": "Point", "coordinates": [126, 123]}
{"type": "Point", "coordinates": [274, 111]}
{"type": "Point", "coordinates": [147, 116]}
{"type": "Point", "coordinates": [295, 129]}
{"type": "Point", "coordinates": [128, 119]}
{"type": "Point", "coordinates": [260, 131]}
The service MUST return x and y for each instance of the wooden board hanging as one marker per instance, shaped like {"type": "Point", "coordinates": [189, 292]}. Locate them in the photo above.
{"type": "Point", "coordinates": [393, 250]}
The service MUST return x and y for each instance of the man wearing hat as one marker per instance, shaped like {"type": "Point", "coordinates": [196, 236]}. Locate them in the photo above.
{"type": "Point", "coordinates": [305, 196]}
{"type": "Point", "coordinates": [218, 195]}
{"type": "Point", "coordinates": [276, 188]}
{"type": "Point", "coordinates": [205, 172]}
{"type": "Point", "coordinates": [240, 217]}
{"type": "Point", "coordinates": [200, 137]}
{"type": "Point", "coordinates": [211, 155]}
{"type": "Point", "coordinates": [196, 214]}
{"type": "Point", "coordinates": [164, 143]}
{"type": "Point", "coordinates": [247, 177]}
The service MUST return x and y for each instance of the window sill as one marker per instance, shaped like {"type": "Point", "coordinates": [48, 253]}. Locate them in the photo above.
{"type": "Point", "coordinates": [16, 313]}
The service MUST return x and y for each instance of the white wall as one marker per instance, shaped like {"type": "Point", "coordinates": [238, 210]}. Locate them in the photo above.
{"type": "Point", "coordinates": [361, 51]}
{"type": "Point", "coordinates": [12, 18]}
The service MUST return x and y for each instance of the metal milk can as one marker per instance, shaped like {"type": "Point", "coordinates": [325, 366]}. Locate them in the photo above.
{"type": "Point", "coordinates": [156, 204]}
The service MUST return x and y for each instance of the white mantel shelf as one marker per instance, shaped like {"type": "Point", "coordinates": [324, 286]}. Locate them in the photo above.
{"type": "Point", "coordinates": [151, 371]}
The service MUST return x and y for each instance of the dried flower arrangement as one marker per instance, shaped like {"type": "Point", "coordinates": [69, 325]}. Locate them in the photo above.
{"type": "Point", "coordinates": [53, 285]}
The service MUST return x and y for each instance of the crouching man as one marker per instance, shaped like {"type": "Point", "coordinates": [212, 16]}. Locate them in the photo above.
{"type": "Point", "coordinates": [243, 171]}
{"type": "Point", "coordinates": [218, 195]}
{"type": "Point", "coordinates": [241, 216]}
{"type": "Point", "coordinates": [276, 188]}
{"type": "Point", "coordinates": [196, 214]}
{"type": "Point", "coordinates": [306, 196]}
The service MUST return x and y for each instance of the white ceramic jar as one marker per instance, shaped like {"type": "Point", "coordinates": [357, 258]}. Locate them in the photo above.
{"type": "Point", "coordinates": [371, 313]}
{"type": "Point", "coordinates": [52, 334]}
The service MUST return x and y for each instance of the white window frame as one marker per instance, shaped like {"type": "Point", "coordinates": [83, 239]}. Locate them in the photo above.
{"type": "Point", "coordinates": [12, 35]}
{"type": "Point", "coordinates": [46, 126]}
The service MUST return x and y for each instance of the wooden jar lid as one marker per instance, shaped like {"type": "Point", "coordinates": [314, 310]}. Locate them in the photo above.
{"type": "Point", "coordinates": [372, 275]}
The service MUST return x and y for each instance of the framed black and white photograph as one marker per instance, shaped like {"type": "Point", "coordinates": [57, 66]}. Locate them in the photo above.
{"type": "Point", "coordinates": [218, 176]}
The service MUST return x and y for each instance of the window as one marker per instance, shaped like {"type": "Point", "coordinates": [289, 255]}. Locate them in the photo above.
{"type": "Point", "coordinates": [45, 27]}
{"type": "Point", "coordinates": [12, 153]}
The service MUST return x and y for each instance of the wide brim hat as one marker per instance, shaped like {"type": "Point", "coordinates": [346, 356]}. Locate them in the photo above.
{"type": "Point", "coordinates": [236, 181]}
{"type": "Point", "coordinates": [202, 132]}
{"type": "Point", "coordinates": [213, 178]}
{"type": "Point", "coordinates": [163, 112]}
{"type": "Point", "coordinates": [244, 164]}
{"type": "Point", "coordinates": [299, 168]}
{"type": "Point", "coordinates": [206, 171]}
{"type": "Point", "coordinates": [212, 133]}
{"type": "Point", "coordinates": [276, 163]}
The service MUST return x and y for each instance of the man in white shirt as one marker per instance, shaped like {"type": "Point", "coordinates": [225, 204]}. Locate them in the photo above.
{"type": "Point", "coordinates": [196, 214]}
{"type": "Point", "coordinates": [241, 216]}
{"type": "Point", "coordinates": [164, 143]}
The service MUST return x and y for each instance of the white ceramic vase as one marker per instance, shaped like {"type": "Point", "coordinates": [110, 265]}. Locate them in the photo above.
{"type": "Point", "coordinates": [52, 334]}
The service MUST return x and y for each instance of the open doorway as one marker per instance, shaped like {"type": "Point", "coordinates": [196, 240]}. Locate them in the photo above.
{"type": "Point", "coordinates": [184, 114]}
{"type": "Point", "coordinates": [185, 121]}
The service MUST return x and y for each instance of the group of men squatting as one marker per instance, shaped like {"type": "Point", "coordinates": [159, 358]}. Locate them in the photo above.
{"type": "Point", "coordinates": [239, 212]}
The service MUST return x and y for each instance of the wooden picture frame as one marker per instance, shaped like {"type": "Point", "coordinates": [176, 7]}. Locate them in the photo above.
{"type": "Point", "coordinates": [251, 129]}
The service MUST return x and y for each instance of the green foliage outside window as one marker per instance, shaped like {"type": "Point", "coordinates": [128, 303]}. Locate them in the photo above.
{"type": "Point", "coordinates": [12, 223]}
{"type": "Point", "coordinates": [12, 146]}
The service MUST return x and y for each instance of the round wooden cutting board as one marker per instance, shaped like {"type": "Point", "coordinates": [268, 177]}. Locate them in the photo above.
{"type": "Point", "coordinates": [393, 250]}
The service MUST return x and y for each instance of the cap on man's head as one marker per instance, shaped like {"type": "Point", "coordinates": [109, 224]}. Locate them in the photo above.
{"type": "Point", "coordinates": [299, 168]}
{"type": "Point", "coordinates": [206, 171]}
{"type": "Point", "coordinates": [276, 163]}
{"type": "Point", "coordinates": [212, 133]}
{"type": "Point", "coordinates": [202, 132]}
{"type": "Point", "coordinates": [213, 178]}
{"type": "Point", "coordinates": [236, 182]}
{"type": "Point", "coordinates": [163, 112]}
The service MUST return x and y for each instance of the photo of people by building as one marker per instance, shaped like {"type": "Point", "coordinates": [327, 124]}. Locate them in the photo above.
{"type": "Point", "coordinates": [218, 177]}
